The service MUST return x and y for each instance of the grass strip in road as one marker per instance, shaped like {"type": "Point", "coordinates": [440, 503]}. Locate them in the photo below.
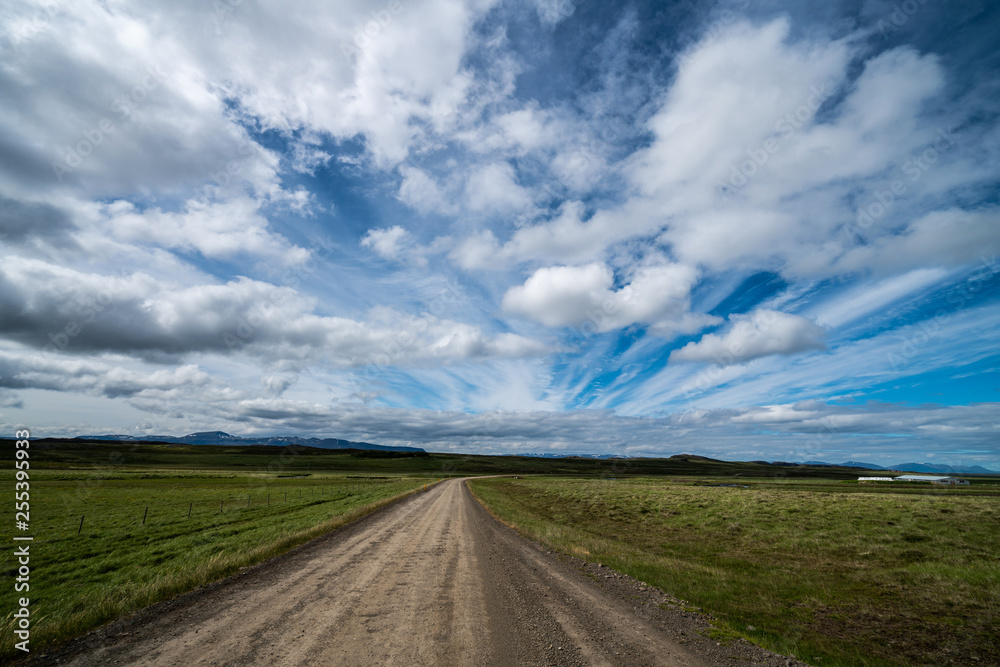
{"type": "Point", "coordinates": [199, 527]}
{"type": "Point", "coordinates": [831, 573]}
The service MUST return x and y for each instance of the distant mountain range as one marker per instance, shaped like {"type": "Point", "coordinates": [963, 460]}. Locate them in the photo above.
{"type": "Point", "coordinates": [221, 438]}
{"type": "Point", "coordinates": [913, 467]}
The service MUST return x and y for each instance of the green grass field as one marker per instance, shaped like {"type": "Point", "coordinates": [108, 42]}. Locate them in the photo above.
{"type": "Point", "coordinates": [743, 555]}
{"type": "Point", "coordinates": [201, 526]}
{"type": "Point", "coordinates": [835, 573]}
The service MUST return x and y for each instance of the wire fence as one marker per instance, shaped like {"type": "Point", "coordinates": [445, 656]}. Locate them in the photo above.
{"type": "Point", "coordinates": [199, 503]}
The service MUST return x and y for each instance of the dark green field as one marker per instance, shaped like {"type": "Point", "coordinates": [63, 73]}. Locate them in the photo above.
{"type": "Point", "coordinates": [149, 532]}
{"type": "Point", "coordinates": [835, 573]}
{"type": "Point", "coordinates": [90, 455]}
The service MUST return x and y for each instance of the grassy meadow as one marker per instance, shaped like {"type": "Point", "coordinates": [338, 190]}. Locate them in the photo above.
{"type": "Point", "coordinates": [201, 525]}
{"type": "Point", "coordinates": [846, 573]}
{"type": "Point", "coordinates": [835, 573]}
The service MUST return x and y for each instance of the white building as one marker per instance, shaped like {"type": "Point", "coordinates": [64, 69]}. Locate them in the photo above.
{"type": "Point", "coordinates": [933, 479]}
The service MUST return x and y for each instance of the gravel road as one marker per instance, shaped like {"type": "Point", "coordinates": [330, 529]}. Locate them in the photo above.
{"type": "Point", "coordinates": [432, 580]}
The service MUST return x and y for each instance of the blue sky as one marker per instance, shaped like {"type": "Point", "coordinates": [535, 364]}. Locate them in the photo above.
{"type": "Point", "coordinates": [749, 230]}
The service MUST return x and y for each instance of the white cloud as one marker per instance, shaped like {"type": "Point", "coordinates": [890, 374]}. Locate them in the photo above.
{"type": "Point", "coordinates": [476, 252]}
{"type": "Point", "coordinates": [564, 238]}
{"type": "Point", "coordinates": [382, 71]}
{"type": "Point", "coordinates": [782, 166]}
{"type": "Point", "coordinates": [568, 296]}
{"type": "Point", "coordinates": [147, 269]}
{"type": "Point", "coordinates": [563, 295]}
{"type": "Point", "coordinates": [551, 12]}
{"type": "Point", "coordinates": [945, 238]}
{"type": "Point", "coordinates": [215, 229]}
{"type": "Point", "coordinates": [276, 385]}
{"type": "Point", "coordinates": [54, 309]}
{"type": "Point", "coordinates": [761, 333]}
{"type": "Point", "coordinates": [777, 185]}
{"type": "Point", "coordinates": [388, 242]}
{"type": "Point", "coordinates": [126, 91]}
{"type": "Point", "coordinates": [526, 130]}
{"type": "Point", "coordinates": [422, 192]}
{"type": "Point", "coordinates": [493, 189]}
{"type": "Point", "coordinates": [98, 376]}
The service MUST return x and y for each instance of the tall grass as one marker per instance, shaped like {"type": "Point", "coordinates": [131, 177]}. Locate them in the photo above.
{"type": "Point", "coordinates": [830, 573]}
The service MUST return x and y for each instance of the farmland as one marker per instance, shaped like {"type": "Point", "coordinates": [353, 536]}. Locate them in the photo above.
{"type": "Point", "coordinates": [107, 542]}
{"type": "Point", "coordinates": [833, 572]}
{"type": "Point", "coordinates": [819, 565]}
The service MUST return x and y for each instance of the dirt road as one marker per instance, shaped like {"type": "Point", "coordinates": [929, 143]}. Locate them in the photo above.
{"type": "Point", "coordinates": [433, 580]}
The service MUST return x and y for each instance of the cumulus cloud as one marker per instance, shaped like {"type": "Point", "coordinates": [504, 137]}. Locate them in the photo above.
{"type": "Point", "coordinates": [564, 237]}
{"type": "Point", "coordinates": [945, 238]}
{"type": "Point", "coordinates": [561, 295]}
{"type": "Point", "coordinates": [388, 242]}
{"type": "Point", "coordinates": [97, 376]}
{"type": "Point", "coordinates": [778, 187]}
{"type": "Point", "coordinates": [528, 130]}
{"type": "Point", "coordinates": [215, 229]}
{"type": "Point", "coordinates": [53, 309]}
{"type": "Point", "coordinates": [580, 178]}
{"type": "Point", "coordinates": [790, 182]}
{"type": "Point", "coordinates": [184, 85]}
{"type": "Point", "coordinates": [570, 296]}
{"type": "Point", "coordinates": [422, 192]}
{"type": "Point", "coordinates": [387, 72]}
{"type": "Point", "coordinates": [122, 95]}
{"type": "Point", "coordinates": [493, 189]}
{"type": "Point", "coordinates": [759, 334]}
{"type": "Point", "coordinates": [399, 245]}
{"type": "Point", "coordinates": [277, 384]}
